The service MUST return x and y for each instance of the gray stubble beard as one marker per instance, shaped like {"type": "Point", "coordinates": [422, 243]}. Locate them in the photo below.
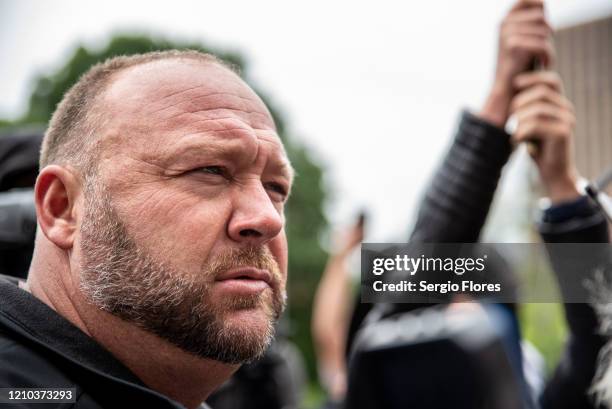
{"type": "Point", "coordinates": [120, 277]}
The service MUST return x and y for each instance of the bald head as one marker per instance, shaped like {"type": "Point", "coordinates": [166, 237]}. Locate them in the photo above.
{"type": "Point", "coordinates": [75, 126]}
{"type": "Point", "coordinates": [162, 102]}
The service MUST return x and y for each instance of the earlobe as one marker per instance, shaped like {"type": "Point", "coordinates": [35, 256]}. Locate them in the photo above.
{"type": "Point", "coordinates": [56, 192]}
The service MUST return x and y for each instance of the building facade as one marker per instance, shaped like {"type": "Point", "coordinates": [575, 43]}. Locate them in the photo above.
{"type": "Point", "coordinates": [584, 59]}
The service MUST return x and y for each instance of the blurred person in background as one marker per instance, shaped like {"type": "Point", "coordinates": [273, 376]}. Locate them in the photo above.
{"type": "Point", "coordinates": [546, 118]}
{"type": "Point", "coordinates": [331, 313]}
{"type": "Point", "coordinates": [458, 200]}
{"type": "Point", "coordinates": [19, 152]}
{"type": "Point", "coordinates": [444, 217]}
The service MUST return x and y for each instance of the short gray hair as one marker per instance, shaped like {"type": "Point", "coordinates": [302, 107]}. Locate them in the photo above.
{"type": "Point", "coordinates": [73, 127]}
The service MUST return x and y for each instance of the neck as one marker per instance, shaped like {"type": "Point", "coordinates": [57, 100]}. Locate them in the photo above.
{"type": "Point", "coordinates": [160, 365]}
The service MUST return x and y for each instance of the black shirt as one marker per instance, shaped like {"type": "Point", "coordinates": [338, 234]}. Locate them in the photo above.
{"type": "Point", "coordinates": [41, 349]}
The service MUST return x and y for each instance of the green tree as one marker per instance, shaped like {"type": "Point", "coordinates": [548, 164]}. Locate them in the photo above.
{"type": "Point", "coordinates": [305, 215]}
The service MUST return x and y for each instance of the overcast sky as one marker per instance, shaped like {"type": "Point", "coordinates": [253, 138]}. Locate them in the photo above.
{"type": "Point", "coordinates": [374, 89]}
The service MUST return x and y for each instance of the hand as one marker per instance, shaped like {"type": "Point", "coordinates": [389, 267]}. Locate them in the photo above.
{"type": "Point", "coordinates": [347, 240]}
{"type": "Point", "coordinates": [524, 37]}
{"type": "Point", "coordinates": [546, 118]}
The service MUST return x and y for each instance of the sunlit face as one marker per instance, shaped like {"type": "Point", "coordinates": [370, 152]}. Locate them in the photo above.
{"type": "Point", "coordinates": [183, 227]}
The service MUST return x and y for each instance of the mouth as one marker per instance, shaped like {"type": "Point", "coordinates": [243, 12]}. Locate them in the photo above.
{"type": "Point", "coordinates": [247, 273]}
{"type": "Point", "coordinates": [245, 280]}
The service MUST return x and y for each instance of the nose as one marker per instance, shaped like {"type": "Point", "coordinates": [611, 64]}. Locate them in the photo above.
{"type": "Point", "coordinates": [255, 219]}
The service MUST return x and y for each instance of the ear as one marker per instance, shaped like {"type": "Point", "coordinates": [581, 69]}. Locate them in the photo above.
{"type": "Point", "coordinates": [56, 193]}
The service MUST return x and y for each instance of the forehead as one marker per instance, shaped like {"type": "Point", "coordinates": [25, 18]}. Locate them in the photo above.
{"type": "Point", "coordinates": [163, 103]}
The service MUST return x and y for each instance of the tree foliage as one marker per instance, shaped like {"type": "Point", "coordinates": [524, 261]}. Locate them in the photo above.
{"type": "Point", "coordinates": [305, 218]}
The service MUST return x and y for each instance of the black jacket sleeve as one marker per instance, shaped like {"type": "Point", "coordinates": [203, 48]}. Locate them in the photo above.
{"type": "Point", "coordinates": [571, 381]}
{"type": "Point", "coordinates": [457, 201]}
{"type": "Point", "coordinates": [454, 209]}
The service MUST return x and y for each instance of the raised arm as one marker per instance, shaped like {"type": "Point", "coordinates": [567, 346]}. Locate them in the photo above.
{"type": "Point", "coordinates": [330, 315]}
{"type": "Point", "coordinates": [457, 201]}
{"type": "Point", "coordinates": [546, 119]}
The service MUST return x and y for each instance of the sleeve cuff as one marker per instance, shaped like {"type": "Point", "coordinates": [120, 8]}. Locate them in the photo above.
{"type": "Point", "coordinates": [577, 221]}
{"type": "Point", "coordinates": [562, 212]}
{"type": "Point", "coordinates": [476, 126]}
{"type": "Point", "coordinates": [474, 119]}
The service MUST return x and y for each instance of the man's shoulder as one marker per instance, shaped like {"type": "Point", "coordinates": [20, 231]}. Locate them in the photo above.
{"type": "Point", "coordinates": [39, 348]}
{"type": "Point", "coordinates": [24, 365]}
{"type": "Point", "coordinates": [10, 279]}
{"type": "Point", "coordinates": [27, 365]}
{"type": "Point", "coordinates": [7, 344]}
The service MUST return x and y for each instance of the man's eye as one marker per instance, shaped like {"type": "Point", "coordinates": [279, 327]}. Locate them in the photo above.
{"type": "Point", "coordinates": [214, 170]}
{"type": "Point", "coordinates": [277, 188]}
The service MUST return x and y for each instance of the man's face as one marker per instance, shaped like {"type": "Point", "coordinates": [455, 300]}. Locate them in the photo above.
{"type": "Point", "coordinates": [183, 227]}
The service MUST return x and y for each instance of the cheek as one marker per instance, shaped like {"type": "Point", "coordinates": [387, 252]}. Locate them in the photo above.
{"type": "Point", "coordinates": [204, 222]}
{"type": "Point", "coordinates": [181, 231]}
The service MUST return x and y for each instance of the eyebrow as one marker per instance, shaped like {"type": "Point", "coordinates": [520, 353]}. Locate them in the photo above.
{"type": "Point", "coordinates": [220, 146]}
{"type": "Point", "coordinates": [287, 169]}
{"type": "Point", "coordinates": [192, 151]}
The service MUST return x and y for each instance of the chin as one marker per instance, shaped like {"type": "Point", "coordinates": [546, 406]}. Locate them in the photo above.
{"type": "Point", "coordinates": [257, 319]}
{"type": "Point", "coordinates": [253, 330]}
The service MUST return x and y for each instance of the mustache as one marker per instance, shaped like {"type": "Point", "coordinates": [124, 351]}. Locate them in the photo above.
{"type": "Point", "coordinates": [258, 257]}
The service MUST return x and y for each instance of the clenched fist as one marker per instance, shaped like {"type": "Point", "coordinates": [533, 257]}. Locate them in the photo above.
{"type": "Point", "coordinates": [546, 118]}
{"type": "Point", "coordinates": [524, 37]}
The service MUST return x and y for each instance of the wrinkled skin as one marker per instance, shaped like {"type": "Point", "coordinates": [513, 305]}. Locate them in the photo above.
{"type": "Point", "coordinates": [191, 182]}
